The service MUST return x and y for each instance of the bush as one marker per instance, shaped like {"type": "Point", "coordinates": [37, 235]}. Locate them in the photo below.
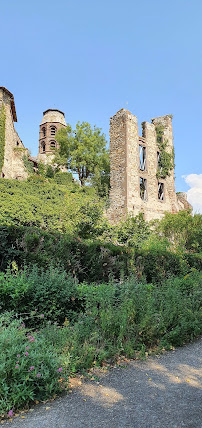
{"type": "Point", "coordinates": [29, 366]}
{"type": "Point", "coordinates": [51, 292]}
{"type": "Point", "coordinates": [130, 317]}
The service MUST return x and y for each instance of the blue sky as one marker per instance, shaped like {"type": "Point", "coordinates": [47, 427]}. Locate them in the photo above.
{"type": "Point", "coordinates": [91, 58]}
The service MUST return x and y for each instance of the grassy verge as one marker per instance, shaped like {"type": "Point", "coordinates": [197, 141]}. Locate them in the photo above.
{"type": "Point", "coordinates": [84, 325]}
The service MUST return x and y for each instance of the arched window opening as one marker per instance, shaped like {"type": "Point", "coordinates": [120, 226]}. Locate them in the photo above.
{"type": "Point", "coordinates": [53, 130]}
{"type": "Point", "coordinates": [17, 143]}
{"type": "Point", "coordinates": [43, 146]}
{"type": "Point", "coordinates": [52, 145]}
{"type": "Point", "coordinates": [44, 132]}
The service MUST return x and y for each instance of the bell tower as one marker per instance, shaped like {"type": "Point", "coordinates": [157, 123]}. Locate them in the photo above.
{"type": "Point", "coordinates": [52, 121]}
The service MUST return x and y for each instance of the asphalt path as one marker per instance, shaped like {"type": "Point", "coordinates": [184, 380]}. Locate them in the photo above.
{"type": "Point", "coordinates": [163, 391]}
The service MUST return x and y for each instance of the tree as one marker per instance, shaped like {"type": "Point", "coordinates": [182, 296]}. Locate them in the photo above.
{"type": "Point", "coordinates": [83, 151]}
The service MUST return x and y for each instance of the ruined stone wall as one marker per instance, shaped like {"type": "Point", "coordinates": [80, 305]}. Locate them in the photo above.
{"type": "Point", "coordinates": [13, 166]}
{"type": "Point", "coordinates": [126, 174]}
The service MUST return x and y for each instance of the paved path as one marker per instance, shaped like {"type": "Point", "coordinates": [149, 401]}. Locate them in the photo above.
{"type": "Point", "coordinates": [161, 392]}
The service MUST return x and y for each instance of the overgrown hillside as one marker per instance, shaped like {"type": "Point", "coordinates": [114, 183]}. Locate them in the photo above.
{"type": "Point", "coordinates": [76, 291]}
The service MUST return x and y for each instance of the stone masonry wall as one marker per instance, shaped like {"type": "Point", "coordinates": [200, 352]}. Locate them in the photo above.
{"type": "Point", "coordinates": [125, 168]}
{"type": "Point", "coordinates": [14, 149]}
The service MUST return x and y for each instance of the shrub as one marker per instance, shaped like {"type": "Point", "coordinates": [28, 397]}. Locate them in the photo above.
{"type": "Point", "coordinates": [28, 366]}
{"type": "Point", "coordinates": [51, 292]}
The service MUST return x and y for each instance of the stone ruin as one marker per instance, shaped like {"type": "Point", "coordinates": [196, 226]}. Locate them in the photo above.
{"type": "Point", "coordinates": [134, 160]}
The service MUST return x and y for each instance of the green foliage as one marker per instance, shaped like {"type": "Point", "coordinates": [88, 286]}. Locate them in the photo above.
{"type": "Point", "coordinates": [107, 320]}
{"type": "Point", "coordinates": [64, 178]}
{"type": "Point", "coordinates": [166, 160]}
{"type": "Point", "coordinates": [132, 231]}
{"type": "Point", "coordinates": [126, 318]}
{"type": "Point", "coordinates": [182, 230]}
{"type": "Point", "coordinates": [48, 206]}
{"type": "Point", "coordinates": [28, 366]}
{"type": "Point", "coordinates": [2, 135]}
{"type": "Point", "coordinates": [48, 291]}
{"type": "Point", "coordinates": [28, 165]}
{"type": "Point", "coordinates": [83, 151]}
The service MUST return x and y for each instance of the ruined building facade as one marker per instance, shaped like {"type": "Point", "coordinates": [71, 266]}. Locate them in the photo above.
{"type": "Point", "coordinates": [137, 185]}
{"type": "Point", "coordinates": [11, 145]}
{"type": "Point", "coordinates": [134, 168]}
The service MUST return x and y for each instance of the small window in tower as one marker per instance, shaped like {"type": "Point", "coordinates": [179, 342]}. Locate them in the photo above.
{"type": "Point", "coordinates": [17, 144]}
{"type": "Point", "coordinates": [143, 189]}
{"type": "Point", "coordinates": [52, 145]}
{"type": "Point", "coordinates": [43, 147]}
{"type": "Point", "coordinates": [53, 130]}
{"type": "Point", "coordinates": [142, 155]}
{"type": "Point", "coordinates": [161, 191]}
{"type": "Point", "coordinates": [44, 132]}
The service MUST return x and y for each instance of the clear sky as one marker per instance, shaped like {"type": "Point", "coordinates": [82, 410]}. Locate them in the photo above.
{"type": "Point", "coordinates": [91, 58]}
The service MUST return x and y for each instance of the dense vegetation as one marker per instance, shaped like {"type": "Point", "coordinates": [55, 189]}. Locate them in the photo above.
{"type": "Point", "coordinates": [76, 291]}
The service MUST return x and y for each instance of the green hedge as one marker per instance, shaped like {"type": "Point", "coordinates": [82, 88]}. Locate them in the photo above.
{"type": "Point", "coordinates": [88, 260]}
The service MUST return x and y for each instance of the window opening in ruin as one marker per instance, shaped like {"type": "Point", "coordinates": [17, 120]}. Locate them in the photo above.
{"type": "Point", "coordinates": [161, 191]}
{"type": "Point", "coordinates": [17, 144]}
{"type": "Point", "coordinates": [53, 130]}
{"type": "Point", "coordinates": [159, 166]}
{"type": "Point", "coordinates": [43, 147]}
{"type": "Point", "coordinates": [52, 145]}
{"type": "Point", "coordinates": [142, 155]}
{"type": "Point", "coordinates": [143, 188]}
{"type": "Point", "coordinates": [44, 132]}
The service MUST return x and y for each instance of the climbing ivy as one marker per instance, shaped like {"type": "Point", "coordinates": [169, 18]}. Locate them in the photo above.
{"type": "Point", "coordinates": [2, 135]}
{"type": "Point", "coordinates": [166, 160]}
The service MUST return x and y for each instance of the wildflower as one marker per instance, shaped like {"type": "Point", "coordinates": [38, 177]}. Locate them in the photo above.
{"type": "Point", "coordinates": [10, 413]}
{"type": "Point", "coordinates": [42, 315]}
{"type": "Point", "coordinates": [27, 347]}
{"type": "Point", "coordinates": [31, 368]}
{"type": "Point", "coordinates": [16, 366]}
{"type": "Point", "coordinates": [18, 356]}
{"type": "Point", "coordinates": [26, 354]}
{"type": "Point", "coordinates": [17, 362]}
{"type": "Point", "coordinates": [31, 338]}
{"type": "Point", "coordinates": [23, 325]}
{"type": "Point", "coordinates": [38, 375]}
{"type": "Point", "coordinates": [59, 370]}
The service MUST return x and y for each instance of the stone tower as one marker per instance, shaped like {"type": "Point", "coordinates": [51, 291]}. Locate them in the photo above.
{"type": "Point", "coordinates": [52, 121]}
{"type": "Point", "coordinates": [13, 149]}
{"type": "Point", "coordinates": [134, 164]}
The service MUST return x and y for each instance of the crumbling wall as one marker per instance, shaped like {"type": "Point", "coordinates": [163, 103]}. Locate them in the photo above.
{"type": "Point", "coordinates": [14, 150]}
{"type": "Point", "coordinates": [136, 189]}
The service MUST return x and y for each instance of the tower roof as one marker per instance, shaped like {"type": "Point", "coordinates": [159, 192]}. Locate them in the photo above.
{"type": "Point", "coordinates": [12, 102]}
{"type": "Point", "coordinates": [53, 115]}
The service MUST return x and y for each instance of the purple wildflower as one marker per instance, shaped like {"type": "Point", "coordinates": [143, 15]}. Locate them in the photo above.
{"type": "Point", "coordinates": [42, 315]}
{"type": "Point", "coordinates": [27, 347]}
{"type": "Point", "coordinates": [16, 366]}
{"type": "Point", "coordinates": [31, 368]}
{"type": "Point", "coordinates": [26, 354]}
{"type": "Point", "coordinates": [59, 370]}
{"type": "Point", "coordinates": [31, 338]}
{"type": "Point", "coordinates": [10, 413]}
{"type": "Point", "coordinates": [38, 375]}
{"type": "Point", "coordinates": [18, 356]}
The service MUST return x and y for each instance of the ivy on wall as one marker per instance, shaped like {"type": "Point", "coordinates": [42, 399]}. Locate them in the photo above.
{"type": "Point", "coordinates": [2, 135]}
{"type": "Point", "coordinates": [165, 160]}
